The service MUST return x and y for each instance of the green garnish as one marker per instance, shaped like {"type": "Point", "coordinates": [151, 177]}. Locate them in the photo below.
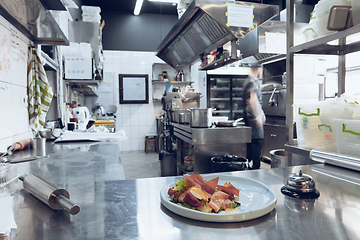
{"type": "Point", "coordinates": [179, 185]}
{"type": "Point", "coordinates": [235, 204]}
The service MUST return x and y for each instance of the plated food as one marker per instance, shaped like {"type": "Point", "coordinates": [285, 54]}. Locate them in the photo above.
{"type": "Point", "coordinates": [207, 196]}
{"type": "Point", "coordinates": [256, 200]}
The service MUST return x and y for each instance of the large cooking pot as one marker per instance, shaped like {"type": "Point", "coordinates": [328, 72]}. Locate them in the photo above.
{"type": "Point", "coordinates": [200, 117]}
{"type": "Point", "coordinates": [184, 117]}
{"type": "Point", "coordinates": [176, 114]}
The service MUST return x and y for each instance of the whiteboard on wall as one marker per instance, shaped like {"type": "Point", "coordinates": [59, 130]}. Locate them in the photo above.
{"type": "Point", "coordinates": [134, 88]}
{"type": "Point", "coordinates": [13, 56]}
{"type": "Point", "coordinates": [13, 85]}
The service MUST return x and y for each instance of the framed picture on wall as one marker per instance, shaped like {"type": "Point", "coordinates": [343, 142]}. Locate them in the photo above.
{"type": "Point", "coordinates": [133, 88]}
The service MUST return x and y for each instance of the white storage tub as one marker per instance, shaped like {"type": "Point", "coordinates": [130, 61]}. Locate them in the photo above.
{"type": "Point", "coordinates": [348, 136]}
{"type": "Point", "coordinates": [315, 127]}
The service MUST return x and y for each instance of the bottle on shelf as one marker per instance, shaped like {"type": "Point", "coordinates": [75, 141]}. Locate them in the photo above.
{"type": "Point", "coordinates": [67, 115]}
{"type": "Point", "coordinates": [165, 76]}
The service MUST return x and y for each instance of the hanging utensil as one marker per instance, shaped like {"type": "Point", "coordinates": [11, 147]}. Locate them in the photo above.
{"type": "Point", "coordinates": [8, 152]}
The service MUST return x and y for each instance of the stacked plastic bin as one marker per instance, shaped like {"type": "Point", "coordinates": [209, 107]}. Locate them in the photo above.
{"type": "Point", "coordinates": [320, 15]}
{"type": "Point", "coordinates": [330, 126]}
{"type": "Point", "coordinates": [348, 127]}
{"type": "Point", "coordinates": [314, 126]}
{"type": "Point", "coordinates": [91, 14]}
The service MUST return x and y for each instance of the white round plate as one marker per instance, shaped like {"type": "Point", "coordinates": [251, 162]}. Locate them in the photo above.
{"type": "Point", "coordinates": [256, 200]}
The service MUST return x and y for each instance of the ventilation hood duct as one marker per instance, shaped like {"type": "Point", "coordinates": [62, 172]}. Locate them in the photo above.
{"type": "Point", "coordinates": [204, 27]}
{"type": "Point", "coordinates": [35, 21]}
{"type": "Point", "coordinates": [267, 43]}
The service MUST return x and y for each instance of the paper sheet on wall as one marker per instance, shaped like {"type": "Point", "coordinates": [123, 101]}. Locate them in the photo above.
{"type": "Point", "coordinates": [134, 89]}
{"type": "Point", "coordinates": [240, 16]}
{"type": "Point", "coordinates": [275, 42]}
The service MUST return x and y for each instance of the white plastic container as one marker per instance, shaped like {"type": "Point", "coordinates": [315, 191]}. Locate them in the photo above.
{"type": "Point", "coordinates": [90, 10]}
{"type": "Point", "coordinates": [310, 32]}
{"type": "Point", "coordinates": [307, 121]}
{"type": "Point", "coordinates": [322, 8]}
{"type": "Point", "coordinates": [315, 126]}
{"type": "Point", "coordinates": [91, 18]}
{"type": "Point", "coordinates": [348, 136]}
{"type": "Point", "coordinates": [321, 26]}
{"type": "Point", "coordinates": [321, 14]}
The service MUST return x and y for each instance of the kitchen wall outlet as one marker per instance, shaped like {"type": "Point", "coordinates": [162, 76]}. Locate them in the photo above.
{"type": "Point", "coordinates": [24, 101]}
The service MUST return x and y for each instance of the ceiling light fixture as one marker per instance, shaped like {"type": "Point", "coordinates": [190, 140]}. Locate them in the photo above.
{"type": "Point", "coordinates": [164, 1]}
{"type": "Point", "coordinates": [138, 6]}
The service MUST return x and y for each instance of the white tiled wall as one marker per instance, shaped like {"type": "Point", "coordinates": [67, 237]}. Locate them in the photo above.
{"type": "Point", "coordinates": [14, 123]}
{"type": "Point", "coordinates": [136, 120]}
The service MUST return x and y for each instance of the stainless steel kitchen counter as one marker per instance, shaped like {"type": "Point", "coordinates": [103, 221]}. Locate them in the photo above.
{"type": "Point", "coordinates": [208, 136]}
{"type": "Point", "coordinates": [210, 142]}
{"type": "Point", "coordinates": [112, 208]}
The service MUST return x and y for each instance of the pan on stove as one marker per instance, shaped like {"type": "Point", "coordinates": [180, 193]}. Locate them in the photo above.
{"type": "Point", "coordinates": [229, 123]}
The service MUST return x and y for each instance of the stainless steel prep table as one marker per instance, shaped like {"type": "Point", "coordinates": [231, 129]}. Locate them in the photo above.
{"type": "Point", "coordinates": [210, 142]}
{"type": "Point", "coordinates": [131, 209]}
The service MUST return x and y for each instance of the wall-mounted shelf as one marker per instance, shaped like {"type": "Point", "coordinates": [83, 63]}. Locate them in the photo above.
{"type": "Point", "coordinates": [220, 63]}
{"type": "Point", "coordinates": [85, 87]}
{"type": "Point", "coordinates": [172, 82]}
{"type": "Point", "coordinates": [82, 82]}
{"type": "Point", "coordinates": [85, 90]}
{"type": "Point", "coordinates": [322, 46]}
{"type": "Point", "coordinates": [49, 64]}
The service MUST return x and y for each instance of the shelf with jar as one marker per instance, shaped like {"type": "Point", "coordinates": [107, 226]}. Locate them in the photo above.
{"type": "Point", "coordinates": [165, 78]}
{"type": "Point", "coordinates": [222, 56]}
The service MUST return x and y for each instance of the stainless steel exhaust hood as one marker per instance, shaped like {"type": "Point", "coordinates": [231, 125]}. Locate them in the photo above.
{"type": "Point", "coordinates": [204, 27]}
{"type": "Point", "coordinates": [32, 19]}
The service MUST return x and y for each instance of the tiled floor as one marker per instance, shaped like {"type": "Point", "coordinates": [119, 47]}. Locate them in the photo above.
{"type": "Point", "coordinates": [138, 164]}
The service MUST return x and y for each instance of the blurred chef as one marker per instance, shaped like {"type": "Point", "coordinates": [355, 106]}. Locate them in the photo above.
{"type": "Point", "coordinates": [253, 114]}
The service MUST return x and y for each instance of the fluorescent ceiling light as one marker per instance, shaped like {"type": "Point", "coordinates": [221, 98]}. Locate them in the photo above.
{"type": "Point", "coordinates": [138, 6]}
{"type": "Point", "coordinates": [164, 1]}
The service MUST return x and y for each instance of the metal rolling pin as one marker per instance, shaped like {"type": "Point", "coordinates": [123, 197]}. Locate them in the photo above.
{"type": "Point", "coordinates": [336, 159]}
{"type": "Point", "coordinates": [53, 196]}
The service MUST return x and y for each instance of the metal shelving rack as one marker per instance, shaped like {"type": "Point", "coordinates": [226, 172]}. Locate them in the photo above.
{"type": "Point", "coordinates": [341, 43]}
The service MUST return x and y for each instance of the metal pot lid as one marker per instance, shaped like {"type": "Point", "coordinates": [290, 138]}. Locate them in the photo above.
{"type": "Point", "coordinates": [300, 182]}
